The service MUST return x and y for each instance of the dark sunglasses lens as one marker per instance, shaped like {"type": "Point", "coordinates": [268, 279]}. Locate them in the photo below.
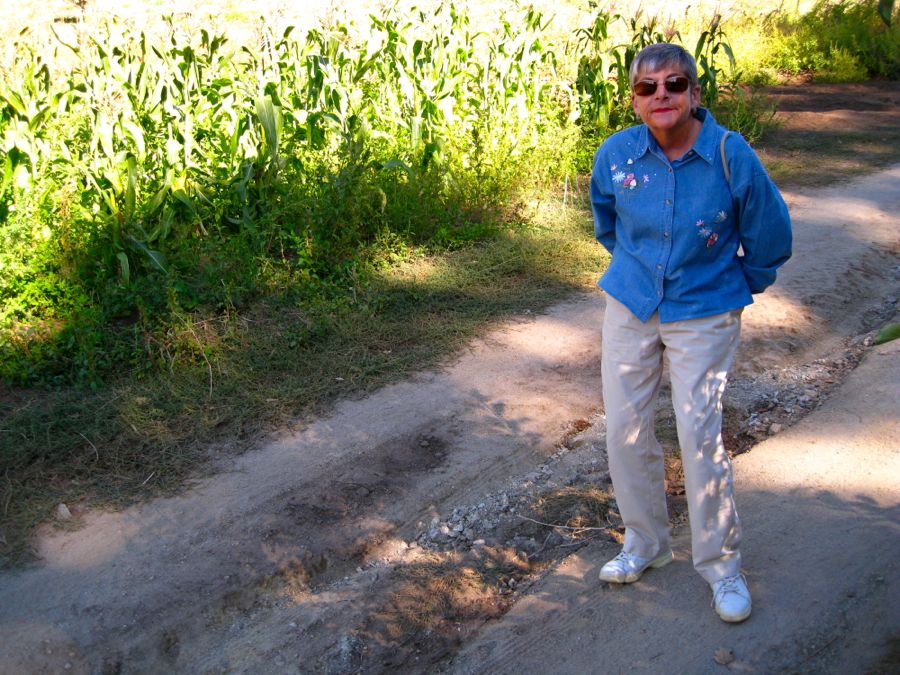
{"type": "Point", "coordinates": [644, 88]}
{"type": "Point", "coordinates": [676, 85]}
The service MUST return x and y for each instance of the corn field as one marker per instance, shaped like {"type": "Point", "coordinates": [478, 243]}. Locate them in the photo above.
{"type": "Point", "coordinates": [142, 176]}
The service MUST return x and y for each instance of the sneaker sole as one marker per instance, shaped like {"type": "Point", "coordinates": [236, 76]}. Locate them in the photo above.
{"type": "Point", "coordinates": [735, 618]}
{"type": "Point", "coordinates": [656, 563]}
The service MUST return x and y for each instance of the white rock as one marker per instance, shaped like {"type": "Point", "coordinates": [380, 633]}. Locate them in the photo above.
{"type": "Point", "coordinates": [63, 513]}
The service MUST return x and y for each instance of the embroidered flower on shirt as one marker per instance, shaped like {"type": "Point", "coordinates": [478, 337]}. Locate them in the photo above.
{"type": "Point", "coordinates": [613, 167]}
{"type": "Point", "coordinates": [713, 238]}
{"type": "Point", "coordinates": [630, 162]}
{"type": "Point", "coordinates": [618, 176]}
{"type": "Point", "coordinates": [702, 231]}
{"type": "Point", "coordinates": [630, 181]}
{"type": "Point", "coordinates": [721, 217]}
{"type": "Point", "coordinates": [646, 179]}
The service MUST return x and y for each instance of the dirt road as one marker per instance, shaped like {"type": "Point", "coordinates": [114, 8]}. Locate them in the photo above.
{"type": "Point", "coordinates": [822, 505]}
{"type": "Point", "coordinates": [385, 536]}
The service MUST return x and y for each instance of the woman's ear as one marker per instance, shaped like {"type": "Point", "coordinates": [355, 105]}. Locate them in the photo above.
{"type": "Point", "coordinates": [695, 98]}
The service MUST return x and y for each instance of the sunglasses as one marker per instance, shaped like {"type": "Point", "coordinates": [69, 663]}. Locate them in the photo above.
{"type": "Point", "coordinates": [674, 85]}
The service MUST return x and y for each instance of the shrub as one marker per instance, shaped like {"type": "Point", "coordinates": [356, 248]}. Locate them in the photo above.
{"type": "Point", "coordinates": [842, 40]}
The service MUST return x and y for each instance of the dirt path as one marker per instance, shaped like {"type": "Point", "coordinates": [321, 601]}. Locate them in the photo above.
{"type": "Point", "coordinates": [822, 508]}
{"type": "Point", "coordinates": [384, 536]}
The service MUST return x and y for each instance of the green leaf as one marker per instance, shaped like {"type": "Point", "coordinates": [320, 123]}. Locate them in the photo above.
{"type": "Point", "coordinates": [130, 190]}
{"type": "Point", "coordinates": [398, 164]}
{"type": "Point", "coordinates": [14, 100]}
{"type": "Point", "coordinates": [270, 118]}
{"type": "Point", "coordinates": [7, 174]}
{"type": "Point", "coordinates": [137, 135]}
{"type": "Point", "coordinates": [156, 257]}
{"type": "Point", "coordinates": [124, 268]}
{"type": "Point", "coordinates": [886, 11]}
{"type": "Point", "coordinates": [888, 333]}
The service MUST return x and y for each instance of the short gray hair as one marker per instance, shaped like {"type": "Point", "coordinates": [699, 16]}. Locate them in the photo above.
{"type": "Point", "coordinates": [656, 56]}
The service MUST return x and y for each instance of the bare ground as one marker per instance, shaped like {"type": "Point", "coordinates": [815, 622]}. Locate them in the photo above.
{"type": "Point", "coordinates": [384, 536]}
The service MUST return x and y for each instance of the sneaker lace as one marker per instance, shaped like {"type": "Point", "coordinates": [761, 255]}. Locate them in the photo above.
{"type": "Point", "coordinates": [728, 585]}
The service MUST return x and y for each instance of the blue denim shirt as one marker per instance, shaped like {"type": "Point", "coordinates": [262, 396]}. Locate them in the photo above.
{"type": "Point", "coordinates": [683, 242]}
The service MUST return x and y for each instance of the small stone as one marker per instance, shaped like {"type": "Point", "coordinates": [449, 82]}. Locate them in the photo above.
{"type": "Point", "coordinates": [478, 542]}
{"type": "Point", "coordinates": [776, 429]}
{"type": "Point", "coordinates": [723, 656]}
{"type": "Point", "coordinates": [63, 513]}
{"type": "Point", "coordinates": [469, 534]}
{"type": "Point", "coordinates": [424, 444]}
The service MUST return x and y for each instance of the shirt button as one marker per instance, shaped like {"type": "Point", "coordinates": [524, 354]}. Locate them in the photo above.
{"type": "Point", "coordinates": [665, 235]}
{"type": "Point", "coordinates": [659, 267]}
{"type": "Point", "coordinates": [668, 201]}
{"type": "Point", "coordinates": [670, 169]}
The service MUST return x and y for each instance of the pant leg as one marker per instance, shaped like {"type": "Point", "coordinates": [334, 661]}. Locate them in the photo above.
{"type": "Point", "coordinates": [699, 354]}
{"type": "Point", "coordinates": [631, 367]}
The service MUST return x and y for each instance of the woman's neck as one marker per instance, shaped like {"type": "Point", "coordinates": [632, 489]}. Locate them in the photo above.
{"type": "Point", "coordinates": [677, 142]}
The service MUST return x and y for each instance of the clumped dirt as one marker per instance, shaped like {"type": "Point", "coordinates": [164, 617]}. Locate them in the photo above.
{"type": "Point", "coordinates": [382, 537]}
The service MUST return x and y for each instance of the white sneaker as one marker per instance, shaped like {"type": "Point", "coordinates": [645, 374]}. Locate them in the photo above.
{"type": "Point", "coordinates": [731, 598]}
{"type": "Point", "coordinates": [626, 568]}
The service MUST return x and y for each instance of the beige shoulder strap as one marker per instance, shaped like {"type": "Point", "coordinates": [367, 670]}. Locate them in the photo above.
{"type": "Point", "coordinates": [724, 158]}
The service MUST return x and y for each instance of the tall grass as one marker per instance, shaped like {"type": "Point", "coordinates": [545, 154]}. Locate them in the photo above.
{"type": "Point", "coordinates": [133, 178]}
{"type": "Point", "coordinates": [146, 176]}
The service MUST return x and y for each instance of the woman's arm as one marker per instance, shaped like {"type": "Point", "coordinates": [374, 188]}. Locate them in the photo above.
{"type": "Point", "coordinates": [603, 204]}
{"type": "Point", "coordinates": [764, 222]}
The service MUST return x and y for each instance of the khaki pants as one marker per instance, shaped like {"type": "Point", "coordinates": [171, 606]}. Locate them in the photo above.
{"type": "Point", "coordinates": [699, 353]}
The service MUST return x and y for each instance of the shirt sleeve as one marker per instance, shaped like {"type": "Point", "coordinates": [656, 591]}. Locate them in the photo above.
{"type": "Point", "coordinates": [764, 222]}
{"type": "Point", "coordinates": [603, 205]}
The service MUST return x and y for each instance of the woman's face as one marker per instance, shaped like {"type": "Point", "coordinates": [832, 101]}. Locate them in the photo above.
{"type": "Point", "coordinates": [665, 112]}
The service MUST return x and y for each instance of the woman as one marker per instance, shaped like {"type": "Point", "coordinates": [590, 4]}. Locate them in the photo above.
{"type": "Point", "coordinates": [689, 246]}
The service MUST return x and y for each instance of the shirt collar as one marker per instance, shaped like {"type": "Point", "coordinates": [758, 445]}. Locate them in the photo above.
{"type": "Point", "coordinates": [706, 144]}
